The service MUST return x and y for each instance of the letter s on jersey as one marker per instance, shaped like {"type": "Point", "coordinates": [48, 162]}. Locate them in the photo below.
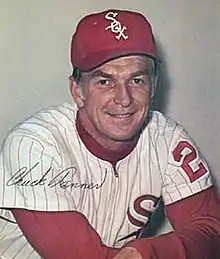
{"type": "Point", "coordinates": [188, 159]}
{"type": "Point", "coordinates": [140, 210]}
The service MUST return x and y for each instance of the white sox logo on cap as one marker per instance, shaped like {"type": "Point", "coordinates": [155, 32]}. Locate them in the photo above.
{"type": "Point", "coordinates": [115, 26]}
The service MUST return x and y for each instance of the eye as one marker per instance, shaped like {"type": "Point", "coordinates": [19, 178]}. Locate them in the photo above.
{"type": "Point", "coordinates": [103, 82]}
{"type": "Point", "coordinates": [140, 81]}
{"type": "Point", "coordinates": [137, 80]}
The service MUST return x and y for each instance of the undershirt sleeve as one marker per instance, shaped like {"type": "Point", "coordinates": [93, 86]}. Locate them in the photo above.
{"type": "Point", "coordinates": [56, 235]}
{"type": "Point", "coordinates": [196, 235]}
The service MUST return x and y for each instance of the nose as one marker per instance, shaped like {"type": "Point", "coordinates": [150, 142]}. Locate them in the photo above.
{"type": "Point", "coordinates": [123, 95]}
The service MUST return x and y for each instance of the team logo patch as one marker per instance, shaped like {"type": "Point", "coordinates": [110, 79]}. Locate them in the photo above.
{"type": "Point", "coordinates": [115, 26]}
{"type": "Point", "coordinates": [186, 155]}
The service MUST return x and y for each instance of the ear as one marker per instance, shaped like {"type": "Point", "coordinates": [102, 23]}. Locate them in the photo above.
{"type": "Point", "coordinates": [75, 92]}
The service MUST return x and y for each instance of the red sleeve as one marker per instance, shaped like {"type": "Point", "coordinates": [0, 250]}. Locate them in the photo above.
{"type": "Point", "coordinates": [196, 235]}
{"type": "Point", "coordinates": [56, 235]}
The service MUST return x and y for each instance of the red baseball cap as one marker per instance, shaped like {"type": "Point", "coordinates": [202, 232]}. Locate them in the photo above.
{"type": "Point", "coordinates": [100, 37]}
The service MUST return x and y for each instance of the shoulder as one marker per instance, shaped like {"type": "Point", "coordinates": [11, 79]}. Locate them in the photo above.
{"type": "Point", "coordinates": [159, 121]}
{"type": "Point", "coordinates": [165, 133]}
{"type": "Point", "coordinates": [45, 125]}
{"type": "Point", "coordinates": [52, 116]}
{"type": "Point", "coordinates": [159, 125]}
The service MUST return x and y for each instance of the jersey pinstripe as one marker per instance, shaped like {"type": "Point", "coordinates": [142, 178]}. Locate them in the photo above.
{"type": "Point", "coordinates": [44, 165]}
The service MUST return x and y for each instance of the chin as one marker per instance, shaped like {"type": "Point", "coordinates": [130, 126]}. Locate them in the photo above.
{"type": "Point", "coordinates": [123, 137]}
{"type": "Point", "coordinates": [124, 140]}
{"type": "Point", "coordinates": [128, 133]}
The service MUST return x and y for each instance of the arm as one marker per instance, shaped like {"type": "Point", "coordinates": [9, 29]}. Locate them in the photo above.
{"type": "Point", "coordinates": [192, 205]}
{"type": "Point", "coordinates": [196, 221]}
{"type": "Point", "coordinates": [56, 235]}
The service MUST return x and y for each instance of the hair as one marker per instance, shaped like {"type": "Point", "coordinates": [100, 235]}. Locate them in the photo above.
{"type": "Point", "coordinates": [77, 74]}
{"type": "Point", "coordinates": [153, 74]}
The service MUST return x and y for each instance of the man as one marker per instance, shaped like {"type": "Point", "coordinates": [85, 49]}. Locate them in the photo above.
{"type": "Point", "coordinates": [81, 180]}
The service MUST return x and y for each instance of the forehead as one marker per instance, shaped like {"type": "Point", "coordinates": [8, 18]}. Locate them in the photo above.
{"type": "Point", "coordinates": [128, 64]}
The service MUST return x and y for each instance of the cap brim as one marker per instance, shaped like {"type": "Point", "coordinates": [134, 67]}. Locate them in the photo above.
{"type": "Point", "coordinates": [97, 59]}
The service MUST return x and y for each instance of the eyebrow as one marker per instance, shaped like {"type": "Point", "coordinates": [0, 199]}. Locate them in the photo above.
{"type": "Point", "coordinates": [99, 73]}
{"type": "Point", "coordinates": [140, 73]}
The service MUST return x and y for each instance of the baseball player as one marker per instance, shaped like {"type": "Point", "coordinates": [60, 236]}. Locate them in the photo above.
{"type": "Point", "coordinates": [82, 180]}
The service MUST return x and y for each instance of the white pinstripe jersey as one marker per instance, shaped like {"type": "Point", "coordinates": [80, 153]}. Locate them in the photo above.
{"type": "Point", "coordinates": [44, 165]}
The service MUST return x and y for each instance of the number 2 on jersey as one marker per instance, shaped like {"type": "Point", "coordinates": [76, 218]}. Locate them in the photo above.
{"type": "Point", "coordinates": [188, 159]}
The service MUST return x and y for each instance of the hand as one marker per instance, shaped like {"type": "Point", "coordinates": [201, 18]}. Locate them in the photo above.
{"type": "Point", "coordinates": [128, 253]}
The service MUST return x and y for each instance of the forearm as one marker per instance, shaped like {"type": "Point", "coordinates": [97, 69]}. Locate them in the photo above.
{"type": "Point", "coordinates": [189, 244]}
{"type": "Point", "coordinates": [56, 235]}
{"type": "Point", "coordinates": [196, 221]}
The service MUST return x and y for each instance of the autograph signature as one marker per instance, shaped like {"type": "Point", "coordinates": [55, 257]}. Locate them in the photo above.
{"type": "Point", "coordinates": [61, 179]}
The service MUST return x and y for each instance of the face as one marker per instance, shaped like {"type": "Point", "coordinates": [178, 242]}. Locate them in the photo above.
{"type": "Point", "coordinates": [113, 99]}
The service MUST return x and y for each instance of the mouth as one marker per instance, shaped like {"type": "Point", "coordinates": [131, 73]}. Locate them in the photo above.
{"type": "Point", "coordinates": [120, 115]}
